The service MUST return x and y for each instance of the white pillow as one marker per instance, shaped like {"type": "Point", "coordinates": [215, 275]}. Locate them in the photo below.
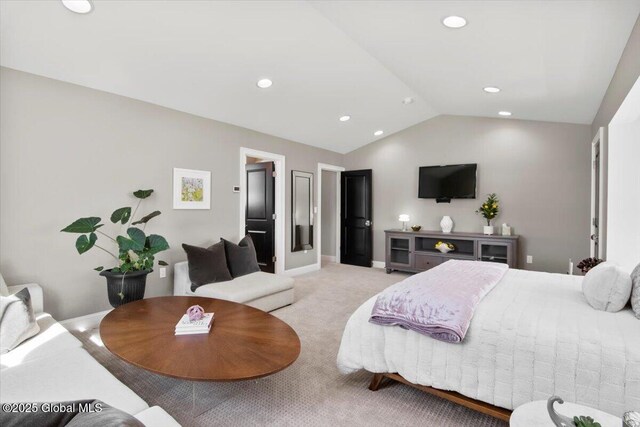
{"type": "Point", "coordinates": [17, 321]}
{"type": "Point", "coordinates": [607, 287]}
{"type": "Point", "coordinates": [635, 291]}
{"type": "Point", "coordinates": [4, 291]}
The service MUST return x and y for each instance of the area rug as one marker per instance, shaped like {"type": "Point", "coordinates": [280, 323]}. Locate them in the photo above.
{"type": "Point", "coordinates": [311, 392]}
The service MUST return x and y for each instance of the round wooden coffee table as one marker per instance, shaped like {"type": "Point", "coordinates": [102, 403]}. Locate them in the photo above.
{"type": "Point", "coordinates": [244, 342]}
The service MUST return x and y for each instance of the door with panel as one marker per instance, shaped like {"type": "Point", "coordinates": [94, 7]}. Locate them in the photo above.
{"type": "Point", "coordinates": [356, 218]}
{"type": "Point", "coordinates": [260, 212]}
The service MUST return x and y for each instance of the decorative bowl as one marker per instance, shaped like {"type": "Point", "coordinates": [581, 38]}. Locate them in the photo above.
{"type": "Point", "coordinates": [195, 312]}
{"type": "Point", "coordinates": [416, 227]}
{"type": "Point", "coordinates": [444, 247]}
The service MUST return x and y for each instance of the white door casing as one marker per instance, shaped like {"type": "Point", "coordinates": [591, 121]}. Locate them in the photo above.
{"type": "Point", "coordinates": [279, 234]}
{"type": "Point", "coordinates": [598, 189]}
{"type": "Point", "coordinates": [337, 169]}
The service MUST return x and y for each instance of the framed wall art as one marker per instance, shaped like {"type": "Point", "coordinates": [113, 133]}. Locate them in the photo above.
{"type": "Point", "coordinates": [191, 189]}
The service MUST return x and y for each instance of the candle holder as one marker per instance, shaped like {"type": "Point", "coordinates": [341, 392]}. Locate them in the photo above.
{"type": "Point", "coordinates": [404, 218]}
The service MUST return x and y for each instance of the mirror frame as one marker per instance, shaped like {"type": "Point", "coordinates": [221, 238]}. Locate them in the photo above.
{"type": "Point", "coordinates": [308, 175]}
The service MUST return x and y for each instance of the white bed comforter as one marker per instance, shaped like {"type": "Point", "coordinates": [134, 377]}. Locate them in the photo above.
{"type": "Point", "coordinates": [533, 336]}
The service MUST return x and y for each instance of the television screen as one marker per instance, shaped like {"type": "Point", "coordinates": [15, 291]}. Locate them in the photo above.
{"type": "Point", "coordinates": [448, 182]}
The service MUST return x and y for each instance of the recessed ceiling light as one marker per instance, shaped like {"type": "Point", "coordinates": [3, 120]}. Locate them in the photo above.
{"type": "Point", "coordinates": [378, 132]}
{"type": "Point", "coordinates": [408, 100]}
{"type": "Point", "coordinates": [454, 22]}
{"type": "Point", "coordinates": [505, 113]}
{"type": "Point", "coordinates": [78, 6]}
{"type": "Point", "coordinates": [491, 89]}
{"type": "Point", "coordinates": [264, 83]}
{"type": "Point", "coordinates": [344, 118]}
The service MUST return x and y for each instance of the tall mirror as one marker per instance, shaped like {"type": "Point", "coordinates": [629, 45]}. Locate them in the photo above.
{"type": "Point", "coordinates": [301, 211]}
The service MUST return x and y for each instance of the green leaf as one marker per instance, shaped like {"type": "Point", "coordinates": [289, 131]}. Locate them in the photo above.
{"type": "Point", "coordinates": [146, 218]}
{"type": "Point", "coordinates": [124, 244]}
{"type": "Point", "coordinates": [83, 225]}
{"type": "Point", "coordinates": [142, 194]}
{"type": "Point", "coordinates": [125, 268]}
{"type": "Point", "coordinates": [99, 268]}
{"type": "Point", "coordinates": [138, 237]}
{"type": "Point", "coordinates": [135, 242]}
{"type": "Point", "coordinates": [122, 215]}
{"type": "Point", "coordinates": [156, 243]}
{"type": "Point", "coordinates": [84, 243]}
{"type": "Point", "coordinates": [163, 263]}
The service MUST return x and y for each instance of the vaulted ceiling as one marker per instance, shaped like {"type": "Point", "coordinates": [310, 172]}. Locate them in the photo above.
{"type": "Point", "coordinates": [552, 60]}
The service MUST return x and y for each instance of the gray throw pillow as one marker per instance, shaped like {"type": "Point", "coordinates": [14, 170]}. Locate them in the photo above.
{"type": "Point", "coordinates": [241, 258]}
{"type": "Point", "coordinates": [207, 265]}
{"type": "Point", "coordinates": [607, 287]}
{"type": "Point", "coordinates": [17, 321]}
{"type": "Point", "coordinates": [635, 291]}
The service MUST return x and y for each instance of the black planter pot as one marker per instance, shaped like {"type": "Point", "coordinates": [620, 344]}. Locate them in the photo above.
{"type": "Point", "coordinates": [132, 285]}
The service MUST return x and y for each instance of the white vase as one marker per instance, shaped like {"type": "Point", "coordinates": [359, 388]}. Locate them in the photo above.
{"type": "Point", "coordinates": [446, 224]}
{"type": "Point", "coordinates": [488, 229]}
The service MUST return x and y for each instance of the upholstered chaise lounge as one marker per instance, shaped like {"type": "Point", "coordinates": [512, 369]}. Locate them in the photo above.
{"type": "Point", "coordinates": [261, 290]}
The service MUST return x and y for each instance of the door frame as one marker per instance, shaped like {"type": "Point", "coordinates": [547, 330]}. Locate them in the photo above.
{"type": "Point", "coordinates": [337, 170]}
{"type": "Point", "coordinates": [279, 188]}
{"type": "Point", "coordinates": [597, 145]}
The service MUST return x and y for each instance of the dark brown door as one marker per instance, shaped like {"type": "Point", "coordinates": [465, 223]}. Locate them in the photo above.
{"type": "Point", "coordinates": [356, 218]}
{"type": "Point", "coordinates": [260, 213]}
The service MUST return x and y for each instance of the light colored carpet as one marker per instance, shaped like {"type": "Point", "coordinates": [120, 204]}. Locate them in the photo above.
{"type": "Point", "coordinates": [311, 392]}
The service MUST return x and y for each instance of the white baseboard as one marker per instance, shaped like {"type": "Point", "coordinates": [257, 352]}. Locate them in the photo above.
{"type": "Point", "coordinates": [328, 258]}
{"type": "Point", "coordinates": [302, 270]}
{"type": "Point", "coordinates": [84, 323]}
{"type": "Point", "coordinates": [377, 264]}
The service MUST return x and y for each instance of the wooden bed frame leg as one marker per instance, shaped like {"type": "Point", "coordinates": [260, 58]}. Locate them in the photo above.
{"type": "Point", "coordinates": [457, 398]}
{"type": "Point", "coordinates": [376, 381]}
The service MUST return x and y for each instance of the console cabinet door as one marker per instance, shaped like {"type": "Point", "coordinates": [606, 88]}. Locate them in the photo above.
{"type": "Point", "coordinates": [399, 251]}
{"type": "Point", "coordinates": [425, 262]}
{"type": "Point", "coordinates": [496, 251]}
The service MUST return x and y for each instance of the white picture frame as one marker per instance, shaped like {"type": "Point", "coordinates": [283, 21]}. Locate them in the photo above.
{"type": "Point", "coordinates": [197, 189]}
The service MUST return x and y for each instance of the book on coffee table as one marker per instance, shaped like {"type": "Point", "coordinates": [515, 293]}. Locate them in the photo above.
{"type": "Point", "coordinates": [188, 327]}
{"type": "Point", "coordinates": [193, 332]}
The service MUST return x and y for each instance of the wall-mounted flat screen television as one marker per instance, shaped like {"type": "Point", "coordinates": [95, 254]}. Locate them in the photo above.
{"type": "Point", "coordinates": [447, 182]}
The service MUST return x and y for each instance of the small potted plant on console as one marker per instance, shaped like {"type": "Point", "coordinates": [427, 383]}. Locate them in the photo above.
{"type": "Point", "coordinates": [135, 250]}
{"type": "Point", "coordinates": [489, 210]}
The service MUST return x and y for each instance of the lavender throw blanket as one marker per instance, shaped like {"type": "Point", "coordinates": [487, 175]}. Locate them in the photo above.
{"type": "Point", "coordinates": [439, 302]}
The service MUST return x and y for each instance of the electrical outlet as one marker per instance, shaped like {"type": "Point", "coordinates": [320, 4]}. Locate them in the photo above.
{"type": "Point", "coordinates": [529, 259]}
{"type": "Point", "coordinates": [163, 272]}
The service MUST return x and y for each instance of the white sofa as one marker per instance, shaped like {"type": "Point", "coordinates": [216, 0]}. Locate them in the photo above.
{"type": "Point", "coordinates": [261, 290]}
{"type": "Point", "coordinates": [53, 367]}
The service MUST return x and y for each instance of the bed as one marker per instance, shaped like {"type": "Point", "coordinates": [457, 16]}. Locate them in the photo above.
{"type": "Point", "coordinates": [534, 335]}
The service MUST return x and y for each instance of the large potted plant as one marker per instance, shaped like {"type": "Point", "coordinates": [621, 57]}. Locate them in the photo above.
{"type": "Point", "coordinates": [489, 210]}
{"type": "Point", "coordinates": [134, 252]}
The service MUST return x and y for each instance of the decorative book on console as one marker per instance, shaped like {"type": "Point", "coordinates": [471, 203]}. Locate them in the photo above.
{"type": "Point", "coordinates": [189, 327]}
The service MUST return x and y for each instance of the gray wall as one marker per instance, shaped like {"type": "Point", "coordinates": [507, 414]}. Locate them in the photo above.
{"type": "Point", "coordinates": [539, 170]}
{"type": "Point", "coordinates": [329, 213]}
{"type": "Point", "coordinates": [67, 151]}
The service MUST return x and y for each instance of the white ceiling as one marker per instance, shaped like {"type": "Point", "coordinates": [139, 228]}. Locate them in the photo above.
{"type": "Point", "coordinates": [553, 60]}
